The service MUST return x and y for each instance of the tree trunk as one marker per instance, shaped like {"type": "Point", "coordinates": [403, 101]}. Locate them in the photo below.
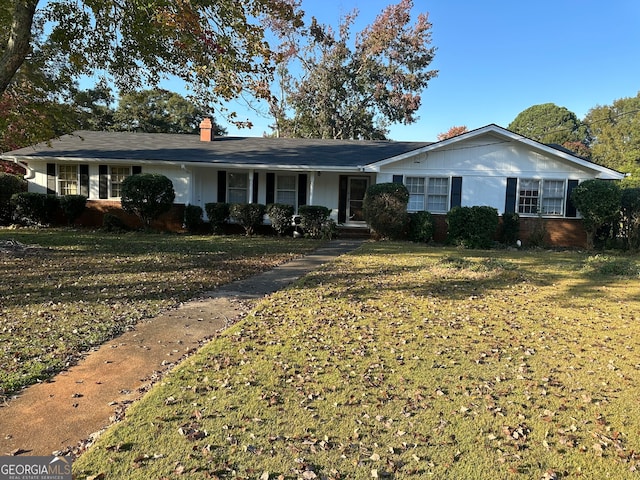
{"type": "Point", "coordinates": [19, 41]}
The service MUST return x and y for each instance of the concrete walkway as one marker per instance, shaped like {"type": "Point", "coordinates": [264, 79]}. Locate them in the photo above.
{"type": "Point", "coordinates": [66, 414]}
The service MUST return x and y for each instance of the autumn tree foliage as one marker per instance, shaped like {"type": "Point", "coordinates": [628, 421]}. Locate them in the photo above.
{"type": "Point", "coordinates": [216, 47]}
{"type": "Point", "coordinates": [330, 88]}
{"type": "Point", "coordinates": [453, 132]}
{"type": "Point", "coordinates": [31, 113]}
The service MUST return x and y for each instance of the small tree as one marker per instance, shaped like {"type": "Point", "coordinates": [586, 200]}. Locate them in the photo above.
{"type": "Point", "coordinates": [218, 214]}
{"type": "Point", "coordinates": [73, 206]}
{"type": "Point", "coordinates": [9, 185]}
{"type": "Point", "coordinates": [598, 201]}
{"type": "Point", "coordinates": [147, 195]}
{"type": "Point", "coordinates": [249, 215]}
{"type": "Point", "coordinates": [385, 209]}
{"type": "Point", "coordinates": [280, 216]}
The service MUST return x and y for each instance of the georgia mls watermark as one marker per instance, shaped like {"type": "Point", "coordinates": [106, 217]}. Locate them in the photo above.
{"type": "Point", "coordinates": [35, 468]}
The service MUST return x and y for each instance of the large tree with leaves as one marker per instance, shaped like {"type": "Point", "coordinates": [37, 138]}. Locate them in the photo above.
{"type": "Point", "coordinates": [159, 111]}
{"type": "Point", "coordinates": [550, 124]}
{"type": "Point", "coordinates": [355, 92]}
{"type": "Point", "coordinates": [216, 47]}
{"type": "Point", "coordinates": [616, 136]}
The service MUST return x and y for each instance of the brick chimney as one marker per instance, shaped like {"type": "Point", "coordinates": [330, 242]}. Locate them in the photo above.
{"type": "Point", "coordinates": [206, 130]}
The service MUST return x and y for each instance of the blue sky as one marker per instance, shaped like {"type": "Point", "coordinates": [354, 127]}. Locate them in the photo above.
{"type": "Point", "coordinates": [497, 57]}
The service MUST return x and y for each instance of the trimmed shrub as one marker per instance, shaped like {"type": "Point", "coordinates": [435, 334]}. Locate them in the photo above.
{"type": "Point", "coordinates": [218, 214]}
{"type": "Point", "coordinates": [147, 195]}
{"type": "Point", "coordinates": [72, 207]}
{"type": "Point", "coordinates": [314, 219]}
{"type": "Point", "coordinates": [35, 208]}
{"type": "Point", "coordinates": [472, 227]}
{"type": "Point", "coordinates": [280, 216]}
{"type": "Point", "coordinates": [510, 228]}
{"type": "Point", "coordinates": [193, 220]}
{"type": "Point", "coordinates": [421, 227]}
{"type": "Point", "coordinates": [385, 209]}
{"type": "Point", "coordinates": [9, 186]}
{"type": "Point", "coordinates": [113, 223]}
{"type": "Point", "coordinates": [248, 215]}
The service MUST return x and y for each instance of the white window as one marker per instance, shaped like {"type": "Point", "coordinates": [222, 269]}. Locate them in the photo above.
{"type": "Point", "coordinates": [552, 197]}
{"type": "Point", "coordinates": [237, 187]}
{"type": "Point", "coordinates": [431, 194]}
{"type": "Point", "coordinates": [286, 189]}
{"type": "Point", "coordinates": [438, 195]}
{"type": "Point", "coordinates": [415, 185]}
{"type": "Point", "coordinates": [545, 197]}
{"type": "Point", "coordinates": [68, 180]}
{"type": "Point", "coordinates": [117, 175]}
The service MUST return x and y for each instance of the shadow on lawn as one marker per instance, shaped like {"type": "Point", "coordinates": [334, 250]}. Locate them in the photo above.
{"type": "Point", "coordinates": [458, 274]}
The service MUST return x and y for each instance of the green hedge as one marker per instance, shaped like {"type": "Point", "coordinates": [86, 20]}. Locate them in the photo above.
{"type": "Point", "coordinates": [9, 186]}
{"type": "Point", "coordinates": [35, 208]}
{"type": "Point", "coordinates": [218, 214]}
{"type": "Point", "coordinates": [73, 206]}
{"type": "Point", "coordinates": [421, 227]}
{"type": "Point", "coordinates": [472, 227]}
{"type": "Point", "coordinates": [314, 220]}
{"type": "Point", "coordinates": [385, 209]}
{"type": "Point", "coordinates": [248, 215]}
{"type": "Point", "coordinates": [280, 216]}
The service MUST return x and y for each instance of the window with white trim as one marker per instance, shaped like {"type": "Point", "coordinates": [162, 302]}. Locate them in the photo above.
{"type": "Point", "coordinates": [68, 180]}
{"type": "Point", "coordinates": [428, 193]}
{"type": "Point", "coordinates": [237, 187]}
{"type": "Point", "coordinates": [286, 189]}
{"type": "Point", "coordinates": [437, 194]}
{"type": "Point", "coordinates": [116, 177]}
{"type": "Point", "coordinates": [415, 185]}
{"type": "Point", "coordinates": [544, 197]}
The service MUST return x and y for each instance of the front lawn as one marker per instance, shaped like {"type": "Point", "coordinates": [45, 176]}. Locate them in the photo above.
{"type": "Point", "coordinates": [63, 292]}
{"type": "Point", "coordinates": [402, 361]}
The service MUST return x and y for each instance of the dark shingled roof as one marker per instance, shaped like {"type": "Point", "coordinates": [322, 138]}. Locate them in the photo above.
{"type": "Point", "coordinates": [88, 145]}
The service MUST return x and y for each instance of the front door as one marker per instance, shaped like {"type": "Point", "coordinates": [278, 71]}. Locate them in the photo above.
{"type": "Point", "coordinates": [357, 187]}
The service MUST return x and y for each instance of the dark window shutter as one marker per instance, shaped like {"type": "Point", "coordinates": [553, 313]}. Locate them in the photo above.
{"type": "Point", "coordinates": [456, 192]}
{"type": "Point", "coordinates": [51, 178]}
{"type": "Point", "coordinates": [136, 170]}
{"type": "Point", "coordinates": [271, 188]}
{"type": "Point", "coordinates": [510, 198]}
{"type": "Point", "coordinates": [256, 183]}
{"type": "Point", "coordinates": [398, 179]}
{"type": "Point", "coordinates": [222, 186]}
{"type": "Point", "coordinates": [570, 209]}
{"type": "Point", "coordinates": [302, 189]}
{"type": "Point", "coordinates": [84, 180]}
{"type": "Point", "coordinates": [342, 198]}
{"type": "Point", "coordinates": [103, 181]}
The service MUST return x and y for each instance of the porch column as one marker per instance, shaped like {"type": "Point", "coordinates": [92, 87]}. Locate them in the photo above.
{"type": "Point", "coordinates": [251, 186]}
{"type": "Point", "coordinates": [312, 184]}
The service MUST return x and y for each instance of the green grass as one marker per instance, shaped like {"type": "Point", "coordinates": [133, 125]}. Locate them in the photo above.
{"type": "Point", "coordinates": [73, 290]}
{"type": "Point", "coordinates": [401, 361]}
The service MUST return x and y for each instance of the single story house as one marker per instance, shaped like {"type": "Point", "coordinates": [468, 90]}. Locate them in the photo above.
{"type": "Point", "coordinates": [488, 166]}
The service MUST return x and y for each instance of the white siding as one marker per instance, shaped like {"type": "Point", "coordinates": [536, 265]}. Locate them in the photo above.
{"type": "Point", "coordinates": [484, 164]}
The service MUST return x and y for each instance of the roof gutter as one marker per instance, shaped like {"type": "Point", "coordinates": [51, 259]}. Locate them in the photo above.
{"type": "Point", "coordinates": [30, 171]}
